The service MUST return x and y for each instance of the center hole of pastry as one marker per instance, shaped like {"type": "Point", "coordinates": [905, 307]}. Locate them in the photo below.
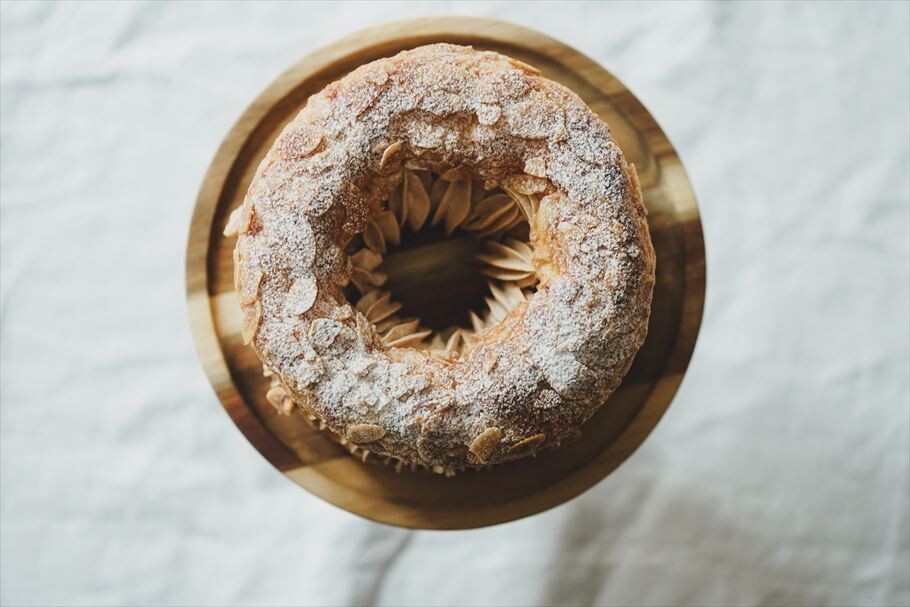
{"type": "Point", "coordinates": [435, 278]}
{"type": "Point", "coordinates": [440, 261]}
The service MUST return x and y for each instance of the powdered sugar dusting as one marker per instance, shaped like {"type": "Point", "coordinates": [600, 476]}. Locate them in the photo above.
{"type": "Point", "coordinates": [301, 295]}
{"type": "Point", "coordinates": [551, 362]}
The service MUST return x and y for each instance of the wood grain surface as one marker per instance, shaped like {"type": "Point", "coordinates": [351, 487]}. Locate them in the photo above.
{"type": "Point", "coordinates": [508, 491]}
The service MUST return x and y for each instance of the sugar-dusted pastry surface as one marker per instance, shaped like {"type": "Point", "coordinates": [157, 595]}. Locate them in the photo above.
{"type": "Point", "coordinates": [518, 385]}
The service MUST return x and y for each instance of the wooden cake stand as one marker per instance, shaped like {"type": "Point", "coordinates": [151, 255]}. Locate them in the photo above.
{"type": "Point", "coordinates": [474, 498]}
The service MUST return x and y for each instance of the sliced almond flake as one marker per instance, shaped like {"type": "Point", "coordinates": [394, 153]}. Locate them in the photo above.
{"type": "Point", "coordinates": [398, 331]}
{"type": "Point", "coordinates": [396, 204]}
{"type": "Point", "coordinates": [527, 445]}
{"type": "Point", "coordinates": [300, 141]}
{"type": "Point", "coordinates": [495, 205]}
{"type": "Point", "coordinates": [636, 183]}
{"type": "Point", "coordinates": [524, 185]}
{"type": "Point", "coordinates": [455, 205]}
{"type": "Point", "coordinates": [382, 309]}
{"type": "Point", "coordinates": [535, 118]}
{"type": "Point", "coordinates": [510, 256]}
{"type": "Point", "coordinates": [518, 219]}
{"type": "Point", "coordinates": [374, 238]}
{"type": "Point", "coordinates": [360, 98]}
{"type": "Point", "coordinates": [519, 226]}
{"type": "Point", "coordinates": [240, 220]}
{"type": "Point", "coordinates": [505, 250]}
{"type": "Point", "coordinates": [323, 333]}
{"type": "Point", "coordinates": [409, 340]}
{"type": "Point", "coordinates": [366, 259]}
{"type": "Point", "coordinates": [488, 319]}
{"type": "Point", "coordinates": [476, 322]}
{"type": "Point", "coordinates": [424, 450]}
{"type": "Point", "coordinates": [522, 248]}
{"type": "Point", "coordinates": [510, 264]}
{"type": "Point", "coordinates": [361, 280]}
{"type": "Point", "coordinates": [457, 174]}
{"type": "Point", "coordinates": [252, 316]}
{"type": "Point", "coordinates": [379, 278]}
{"type": "Point", "coordinates": [388, 323]}
{"type": "Point", "coordinates": [456, 341]}
{"type": "Point", "coordinates": [363, 304]}
{"type": "Point", "coordinates": [413, 165]}
{"type": "Point", "coordinates": [342, 312]}
{"type": "Point", "coordinates": [301, 295]}
{"type": "Point", "coordinates": [426, 178]}
{"type": "Point", "coordinates": [485, 443]}
{"type": "Point", "coordinates": [287, 406]}
{"type": "Point", "coordinates": [459, 207]}
{"type": "Point", "coordinates": [488, 210]}
{"type": "Point", "coordinates": [362, 365]}
{"type": "Point", "coordinates": [524, 202]}
{"type": "Point", "coordinates": [524, 66]}
{"type": "Point", "coordinates": [509, 295]}
{"type": "Point", "coordinates": [364, 328]}
{"type": "Point", "coordinates": [488, 114]}
{"type": "Point", "coordinates": [536, 166]}
{"type": "Point", "coordinates": [385, 221]}
{"type": "Point", "coordinates": [318, 203]}
{"type": "Point", "coordinates": [365, 433]}
{"type": "Point", "coordinates": [275, 396]}
{"type": "Point", "coordinates": [378, 75]}
{"type": "Point", "coordinates": [389, 153]}
{"type": "Point", "coordinates": [508, 275]}
{"type": "Point", "coordinates": [248, 281]}
{"type": "Point", "coordinates": [437, 191]}
{"type": "Point", "coordinates": [527, 205]}
{"type": "Point", "coordinates": [367, 281]}
{"type": "Point", "coordinates": [437, 342]}
{"type": "Point", "coordinates": [235, 256]}
{"type": "Point", "coordinates": [513, 217]}
{"type": "Point", "coordinates": [416, 201]}
{"type": "Point", "coordinates": [497, 310]}
{"type": "Point", "coordinates": [477, 192]}
{"type": "Point", "coordinates": [528, 281]}
{"type": "Point", "coordinates": [488, 95]}
{"type": "Point", "coordinates": [306, 348]}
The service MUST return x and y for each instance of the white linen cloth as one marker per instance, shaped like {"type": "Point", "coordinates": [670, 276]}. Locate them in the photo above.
{"type": "Point", "coordinates": [778, 476]}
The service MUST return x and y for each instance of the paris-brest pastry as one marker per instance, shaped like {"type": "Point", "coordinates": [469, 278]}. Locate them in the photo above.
{"type": "Point", "coordinates": [473, 143]}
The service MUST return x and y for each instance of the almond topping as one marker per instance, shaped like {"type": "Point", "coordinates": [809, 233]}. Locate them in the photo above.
{"type": "Point", "coordinates": [485, 443]}
{"type": "Point", "coordinates": [365, 433]}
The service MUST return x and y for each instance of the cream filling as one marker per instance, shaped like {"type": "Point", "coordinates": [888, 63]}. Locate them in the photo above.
{"type": "Point", "coordinates": [499, 216]}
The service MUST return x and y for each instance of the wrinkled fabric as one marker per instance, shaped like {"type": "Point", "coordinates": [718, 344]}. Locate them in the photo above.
{"type": "Point", "coordinates": [778, 476]}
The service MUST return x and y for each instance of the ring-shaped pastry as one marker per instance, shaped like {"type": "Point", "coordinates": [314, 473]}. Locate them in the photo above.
{"type": "Point", "coordinates": [521, 385]}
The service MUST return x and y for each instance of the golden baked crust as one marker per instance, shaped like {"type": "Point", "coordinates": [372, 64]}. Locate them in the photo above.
{"type": "Point", "coordinates": [525, 383]}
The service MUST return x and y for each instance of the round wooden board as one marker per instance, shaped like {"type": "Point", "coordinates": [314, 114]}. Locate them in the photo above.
{"type": "Point", "coordinates": [476, 498]}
